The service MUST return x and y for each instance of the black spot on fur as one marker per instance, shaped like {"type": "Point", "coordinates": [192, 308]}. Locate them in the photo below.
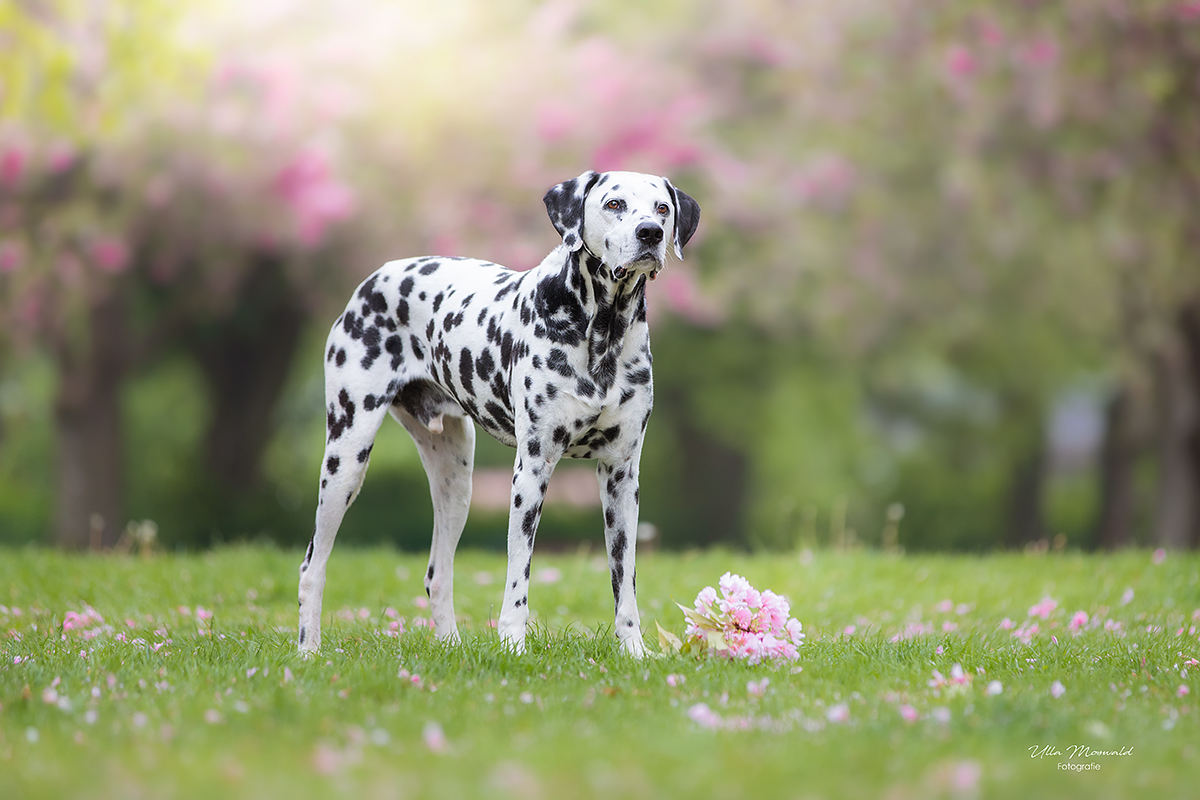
{"type": "Point", "coordinates": [332, 464]}
{"type": "Point", "coordinates": [352, 325]}
{"type": "Point", "coordinates": [466, 366]}
{"type": "Point", "coordinates": [395, 348]}
{"type": "Point", "coordinates": [484, 365]}
{"type": "Point", "coordinates": [364, 454]}
{"type": "Point", "coordinates": [639, 378]}
{"type": "Point", "coordinates": [337, 424]}
{"type": "Point", "coordinates": [558, 306]}
{"type": "Point", "coordinates": [371, 339]}
{"type": "Point", "coordinates": [557, 361]}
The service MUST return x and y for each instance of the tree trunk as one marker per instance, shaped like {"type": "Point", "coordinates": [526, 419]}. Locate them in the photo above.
{"type": "Point", "coordinates": [715, 476]}
{"type": "Point", "coordinates": [88, 425]}
{"type": "Point", "coordinates": [1026, 513]}
{"type": "Point", "coordinates": [246, 359]}
{"type": "Point", "coordinates": [1178, 508]}
{"type": "Point", "coordinates": [1118, 456]}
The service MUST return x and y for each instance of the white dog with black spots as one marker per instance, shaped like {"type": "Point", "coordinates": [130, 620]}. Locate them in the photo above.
{"type": "Point", "coordinates": [554, 361]}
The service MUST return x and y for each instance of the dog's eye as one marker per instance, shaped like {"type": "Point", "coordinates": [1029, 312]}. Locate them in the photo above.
{"type": "Point", "coordinates": [664, 209]}
{"type": "Point", "coordinates": [613, 204]}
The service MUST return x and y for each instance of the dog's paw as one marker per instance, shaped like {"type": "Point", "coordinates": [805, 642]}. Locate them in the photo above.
{"type": "Point", "coordinates": [514, 644]}
{"type": "Point", "coordinates": [633, 647]}
{"type": "Point", "coordinates": [308, 643]}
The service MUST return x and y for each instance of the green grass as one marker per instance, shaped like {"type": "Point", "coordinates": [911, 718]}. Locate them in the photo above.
{"type": "Point", "coordinates": [226, 708]}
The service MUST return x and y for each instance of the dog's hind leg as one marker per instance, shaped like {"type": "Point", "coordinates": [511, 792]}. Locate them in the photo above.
{"type": "Point", "coordinates": [352, 424]}
{"type": "Point", "coordinates": [447, 448]}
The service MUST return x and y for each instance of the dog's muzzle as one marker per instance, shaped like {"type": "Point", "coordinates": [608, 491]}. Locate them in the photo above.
{"type": "Point", "coordinates": [651, 236]}
{"type": "Point", "coordinates": [620, 272]}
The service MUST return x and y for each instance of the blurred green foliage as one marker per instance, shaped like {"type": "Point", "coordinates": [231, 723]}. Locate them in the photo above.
{"type": "Point", "coordinates": [926, 225]}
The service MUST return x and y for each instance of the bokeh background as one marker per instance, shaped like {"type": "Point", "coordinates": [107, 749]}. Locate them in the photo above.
{"type": "Point", "coordinates": [945, 292]}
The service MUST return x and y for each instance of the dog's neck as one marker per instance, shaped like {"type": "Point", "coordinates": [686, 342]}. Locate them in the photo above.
{"type": "Point", "coordinates": [582, 302]}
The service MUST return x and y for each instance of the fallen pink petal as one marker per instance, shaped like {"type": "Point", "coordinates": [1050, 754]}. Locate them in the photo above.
{"type": "Point", "coordinates": [434, 737]}
{"type": "Point", "coordinates": [838, 714]}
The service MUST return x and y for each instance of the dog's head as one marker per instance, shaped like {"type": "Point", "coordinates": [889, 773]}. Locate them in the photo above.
{"type": "Point", "coordinates": [623, 218]}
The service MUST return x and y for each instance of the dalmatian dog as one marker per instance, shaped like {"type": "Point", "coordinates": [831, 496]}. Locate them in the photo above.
{"type": "Point", "coordinates": [554, 361]}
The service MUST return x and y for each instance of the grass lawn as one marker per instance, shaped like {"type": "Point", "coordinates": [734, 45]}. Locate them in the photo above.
{"type": "Point", "coordinates": [116, 682]}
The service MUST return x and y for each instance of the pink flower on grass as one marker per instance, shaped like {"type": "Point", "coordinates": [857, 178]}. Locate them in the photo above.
{"type": "Point", "coordinates": [1057, 690]}
{"type": "Point", "coordinates": [675, 681]}
{"type": "Point", "coordinates": [704, 716]}
{"type": "Point", "coordinates": [1044, 608]}
{"type": "Point", "coordinates": [758, 688]}
{"type": "Point", "coordinates": [742, 622]}
{"type": "Point", "coordinates": [838, 714]}
{"type": "Point", "coordinates": [1078, 621]}
{"type": "Point", "coordinates": [994, 688]}
{"type": "Point", "coordinates": [957, 680]}
{"type": "Point", "coordinates": [908, 713]}
{"type": "Point", "coordinates": [1182, 691]}
{"type": "Point", "coordinates": [1159, 556]}
{"type": "Point", "coordinates": [435, 737]}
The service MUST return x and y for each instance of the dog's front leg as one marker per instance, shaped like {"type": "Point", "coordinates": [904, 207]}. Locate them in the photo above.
{"type": "Point", "coordinates": [530, 478]}
{"type": "Point", "coordinates": [619, 500]}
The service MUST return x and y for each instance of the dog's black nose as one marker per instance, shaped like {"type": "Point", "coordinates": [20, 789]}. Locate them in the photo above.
{"type": "Point", "coordinates": [649, 233]}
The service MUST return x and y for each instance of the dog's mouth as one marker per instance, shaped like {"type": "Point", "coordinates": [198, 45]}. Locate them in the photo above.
{"type": "Point", "coordinates": [647, 262]}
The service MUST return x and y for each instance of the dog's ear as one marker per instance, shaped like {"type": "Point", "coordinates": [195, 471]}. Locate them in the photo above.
{"type": "Point", "coordinates": [564, 205]}
{"type": "Point", "coordinates": [687, 218]}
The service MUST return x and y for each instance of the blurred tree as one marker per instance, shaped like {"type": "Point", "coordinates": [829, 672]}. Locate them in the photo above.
{"type": "Point", "coordinates": [1006, 190]}
{"type": "Point", "coordinates": [125, 235]}
{"type": "Point", "coordinates": [923, 222]}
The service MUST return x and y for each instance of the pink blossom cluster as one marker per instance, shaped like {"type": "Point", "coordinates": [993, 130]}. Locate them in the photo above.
{"type": "Point", "coordinates": [958, 680]}
{"type": "Point", "coordinates": [89, 623]}
{"type": "Point", "coordinates": [743, 622]}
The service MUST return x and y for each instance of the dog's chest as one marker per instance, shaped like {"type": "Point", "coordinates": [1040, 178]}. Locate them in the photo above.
{"type": "Point", "coordinates": [588, 415]}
